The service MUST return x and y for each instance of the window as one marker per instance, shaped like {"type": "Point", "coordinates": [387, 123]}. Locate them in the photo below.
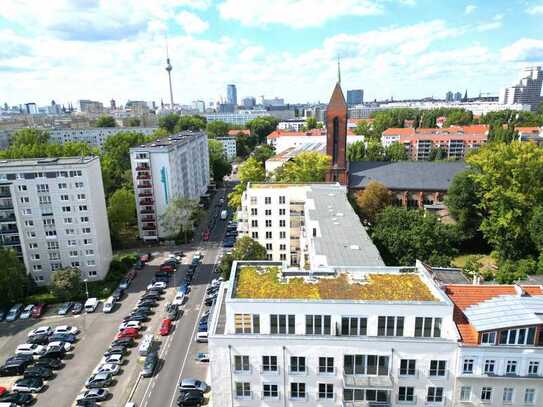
{"type": "Point", "coordinates": [33, 246]}
{"type": "Point", "coordinates": [22, 187]}
{"type": "Point", "coordinates": [91, 262]}
{"type": "Point", "coordinates": [254, 235]}
{"type": "Point", "coordinates": [48, 222]}
{"type": "Point", "coordinates": [62, 186]}
{"type": "Point", "coordinates": [269, 256]}
{"type": "Point", "coordinates": [354, 326]}
{"type": "Point", "coordinates": [434, 395]}
{"type": "Point", "coordinates": [79, 185]}
{"type": "Point", "coordinates": [85, 230]}
{"type": "Point", "coordinates": [438, 367]}
{"type": "Point", "coordinates": [465, 393]}
{"type": "Point", "coordinates": [486, 394]}
{"type": "Point", "coordinates": [81, 196]}
{"type": "Point", "coordinates": [406, 394]}
{"type": "Point", "coordinates": [533, 367]}
{"type": "Point", "coordinates": [408, 367]}
{"type": "Point", "coordinates": [507, 395]}
{"type": "Point", "coordinates": [74, 253]}
{"type": "Point", "coordinates": [326, 391]}
{"type": "Point", "coordinates": [64, 197]}
{"type": "Point", "coordinates": [267, 212]}
{"type": "Point", "coordinates": [372, 365]}
{"type": "Point", "coordinates": [68, 221]}
{"type": "Point", "coordinates": [54, 256]}
{"type": "Point", "coordinates": [35, 256]}
{"type": "Point", "coordinates": [27, 211]}
{"type": "Point", "coordinates": [297, 364]}
{"type": "Point", "coordinates": [87, 241]}
{"type": "Point", "coordinates": [31, 234]}
{"type": "Point", "coordinates": [490, 365]}
{"type": "Point", "coordinates": [25, 199]}
{"type": "Point", "coordinates": [56, 266]}
{"type": "Point", "coordinates": [317, 324]}
{"type": "Point", "coordinates": [82, 207]}
{"type": "Point", "coordinates": [42, 187]}
{"type": "Point", "coordinates": [468, 366]}
{"type": "Point", "coordinates": [268, 235]}
{"type": "Point", "coordinates": [243, 389]}
{"type": "Point", "coordinates": [428, 327]}
{"type": "Point", "coordinates": [511, 367]}
{"type": "Point", "coordinates": [282, 235]}
{"type": "Point", "coordinates": [282, 211]}
{"type": "Point", "coordinates": [283, 247]}
{"type": "Point", "coordinates": [29, 223]}
{"type": "Point", "coordinates": [529, 396]}
{"type": "Point", "coordinates": [72, 243]}
{"type": "Point", "coordinates": [282, 199]}
{"type": "Point", "coordinates": [247, 323]}
{"type": "Point", "coordinates": [45, 200]}
{"type": "Point", "coordinates": [254, 211]}
{"type": "Point", "coordinates": [50, 233]}
{"type": "Point", "coordinates": [70, 231]}
{"type": "Point", "coordinates": [75, 264]}
{"type": "Point", "coordinates": [282, 256]}
{"type": "Point", "coordinates": [66, 209]}
{"type": "Point", "coordinates": [241, 363]}
{"type": "Point", "coordinates": [36, 267]}
{"type": "Point", "coordinates": [254, 223]}
{"type": "Point", "coordinates": [92, 273]}
{"type": "Point", "coordinates": [270, 391]}
{"type": "Point", "coordinates": [390, 326]}
{"type": "Point", "coordinates": [326, 365]}
{"type": "Point", "coordinates": [269, 246]}
{"type": "Point", "coordinates": [267, 200]}
{"type": "Point", "coordinates": [84, 219]}
{"type": "Point", "coordinates": [278, 324]}
{"type": "Point", "coordinates": [268, 223]}
{"type": "Point", "coordinates": [253, 200]}
{"type": "Point", "coordinates": [297, 390]}
{"type": "Point", "coordinates": [269, 363]}
{"type": "Point", "coordinates": [488, 338]}
{"type": "Point", "coordinates": [521, 336]}
{"type": "Point", "coordinates": [282, 223]}
{"type": "Point", "coordinates": [89, 252]}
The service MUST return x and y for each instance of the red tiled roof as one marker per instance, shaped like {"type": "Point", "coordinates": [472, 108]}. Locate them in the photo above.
{"type": "Point", "coordinates": [234, 133]}
{"type": "Point", "coordinates": [464, 296]}
{"type": "Point", "coordinates": [285, 133]}
{"type": "Point", "coordinates": [532, 130]}
{"type": "Point", "coordinates": [401, 131]}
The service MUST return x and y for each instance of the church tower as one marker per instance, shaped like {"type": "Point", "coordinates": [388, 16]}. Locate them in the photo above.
{"type": "Point", "coordinates": [336, 135]}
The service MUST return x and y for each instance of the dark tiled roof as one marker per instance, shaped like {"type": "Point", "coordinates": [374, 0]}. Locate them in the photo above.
{"type": "Point", "coordinates": [405, 175]}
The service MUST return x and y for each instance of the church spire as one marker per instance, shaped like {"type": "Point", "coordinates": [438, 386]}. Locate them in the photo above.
{"type": "Point", "coordinates": [338, 71]}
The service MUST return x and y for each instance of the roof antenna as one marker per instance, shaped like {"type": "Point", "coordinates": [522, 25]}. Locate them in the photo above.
{"type": "Point", "coordinates": [338, 71]}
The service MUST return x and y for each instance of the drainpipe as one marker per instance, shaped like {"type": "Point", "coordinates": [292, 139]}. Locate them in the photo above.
{"type": "Point", "coordinates": [284, 378]}
{"type": "Point", "coordinates": [231, 376]}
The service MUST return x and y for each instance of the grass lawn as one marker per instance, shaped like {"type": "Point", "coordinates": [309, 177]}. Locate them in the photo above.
{"type": "Point", "coordinates": [485, 260]}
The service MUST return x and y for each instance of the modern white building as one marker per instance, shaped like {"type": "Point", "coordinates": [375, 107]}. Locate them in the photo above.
{"type": "Point", "coordinates": [53, 213]}
{"type": "Point", "coordinates": [476, 107]}
{"type": "Point", "coordinates": [306, 224]}
{"type": "Point", "coordinates": [169, 168]}
{"type": "Point", "coordinates": [291, 125]}
{"type": "Point", "coordinates": [283, 140]}
{"type": "Point", "coordinates": [527, 91]}
{"type": "Point", "coordinates": [94, 136]}
{"type": "Point", "coordinates": [332, 336]}
{"type": "Point", "coordinates": [229, 145]}
{"type": "Point", "coordinates": [240, 118]}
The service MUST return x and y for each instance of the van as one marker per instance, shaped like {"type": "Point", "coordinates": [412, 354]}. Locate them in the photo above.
{"type": "Point", "coordinates": [224, 214]}
{"type": "Point", "coordinates": [201, 337]}
{"type": "Point", "coordinates": [179, 298]}
{"type": "Point", "coordinates": [145, 345]}
{"type": "Point", "coordinates": [91, 304]}
{"type": "Point", "coordinates": [109, 304]}
{"type": "Point", "coordinates": [14, 312]}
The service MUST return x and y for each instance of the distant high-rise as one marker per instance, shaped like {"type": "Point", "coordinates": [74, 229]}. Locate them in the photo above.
{"type": "Point", "coordinates": [355, 97]}
{"type": "Point", "coordinates": [31, 108]}
{"type": "Point", "coordinates": [199, 106]}
{"type": "Point", "coordinates": [457, 96]}
{"type": "Point", "coordinates": [449, 96]}
{"type": "Point", "coordinates": [527, 91]}
{"type": "Point", "coordinates": [169, 70]}
{"type": "Point", "coordinates": [90, 106]}
{"type": "Point", "coordinates": [248, 102]}
{"type": "Point", "coordinates": [113, 104]}
{"type": "Point", "coordinates": [231, 95]}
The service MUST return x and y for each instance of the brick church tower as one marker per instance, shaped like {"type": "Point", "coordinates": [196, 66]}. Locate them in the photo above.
{"type": "Point", "coordinates": [336, 136]}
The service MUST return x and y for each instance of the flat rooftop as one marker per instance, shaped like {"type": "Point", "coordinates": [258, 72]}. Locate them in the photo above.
{"type": "Point", "coordinates": [46, 161]}
{"type": "Point", "coordinates": [292, 152]}
{"type": "Point", "coordinates": [270, 281]}
{"type": "Point", "coordinates": [170, 141]}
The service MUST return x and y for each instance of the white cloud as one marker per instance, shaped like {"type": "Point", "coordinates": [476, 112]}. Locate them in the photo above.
{"type": "Point", "coordinates": [191, 23]}
{"type": "Point", "coordinates": [470, 8]}
{"type": "Point", "coordinates": [295, 13]}
{"type": "Point", "coordinates": [524, 50]}
{"type": "Point", "coordinates": [491, 25]}
{"type": "Point", "coordinates": [536, 9]}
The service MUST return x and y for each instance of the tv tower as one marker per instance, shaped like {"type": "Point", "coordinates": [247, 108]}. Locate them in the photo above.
{"type": "Point", "coordinates": [169, 70]}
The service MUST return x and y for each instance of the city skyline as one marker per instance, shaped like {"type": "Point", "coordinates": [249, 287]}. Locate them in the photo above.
{"type": "Point", "coordinates": [287, 50]}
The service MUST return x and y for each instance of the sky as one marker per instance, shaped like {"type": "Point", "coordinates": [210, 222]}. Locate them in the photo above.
{"type": "Point", "coordinates": [102, 49]}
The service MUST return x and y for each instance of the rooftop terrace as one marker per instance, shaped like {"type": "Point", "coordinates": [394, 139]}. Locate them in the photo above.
{"type": "Point", "coordinates": [260, 281]}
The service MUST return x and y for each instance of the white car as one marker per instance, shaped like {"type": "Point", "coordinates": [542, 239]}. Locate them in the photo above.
{"type": "Point", "coordinates": [30, 349]}
{"type": "Point", "coordinates": [112, 368]}
{"type": "Point", "coordinates": [130, 324]}
{"type": "Point", "coordinates": [113, 359]}
{"type": "Point", "coordinates": [27, 312]}
{"type": "Point", "coordinates": [66, 329]}
{"type": "Point", "coordinates": [159, 284]}
{"type": "Point", "coordinates": [41, 330]}
{"type": "Point", "coordinates": [67, 346]}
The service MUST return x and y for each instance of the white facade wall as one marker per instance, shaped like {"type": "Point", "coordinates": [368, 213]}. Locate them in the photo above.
{"type": "Point", "coordinates": [283, 143]}
{"type": "Point", "coordinates": [291, 125]}
{"type": "Point", "coordinates": [229, 145]}
{"type": "Point", "coordinates": [96, 137]}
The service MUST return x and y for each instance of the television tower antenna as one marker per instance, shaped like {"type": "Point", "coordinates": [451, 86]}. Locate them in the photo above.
{"type": "Point", "coordinates": [169, 70]}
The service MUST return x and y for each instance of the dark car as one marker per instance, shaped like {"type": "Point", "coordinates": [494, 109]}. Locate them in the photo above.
{"type": "Point", "coordinates": [162, 274]}
{"type": "Point", "coordinates": [99, 380]}
{"type": "Point", "coordinates": [149, 365]}
{"type": "Point", "coordinates": [117, 294]}
{"type": "Point", "coordinates": [147, 303]}
{"type": "Point", "coordinates": [40, 339]}
{"type": "Point", "coordinates": [14, 368]}
{"type": "Point", "coordinates": [190, 398]}
{"type": "Point", "coordinates": [209, 301]}
{"type": "Point", "coordinates": [143, 309]}
{"type": "Point", "coordinates": [172, 311]}
{"type": "Point", "coordinates": [70, 338]}
{"type": "Point", "coordinates": [55, 353]}
{"type": "Point", "coordinates": [19, 399]}
{"type": "Point", "coordinates": [38, 310]}
{"type": "Point", "coordinates": [51, 363]}
{"type": "Point", "coordinates": [126, 342]}
{"type": "Point", "coordinates": [136, 317]}
{"type": "Point", "coordinates": [25, 358]}
{"type": "Point", "coordinates": [116, 350]}
{"type": "Point", "coordinates": [150, 296]}
{"type": "Point", "coordinates": [3, 313]}
{"type": "Point", "coordinates": [38, 371]}
{"type": "Point", "coordinates": [77, 308]}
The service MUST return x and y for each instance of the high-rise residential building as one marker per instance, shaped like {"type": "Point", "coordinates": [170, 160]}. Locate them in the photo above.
{"type": "Point", "coordinates": [90, 106]}
{"type": "Point", "coordinates": [229, 145]}
{"type": "Point", "coordinates": [113, 104]}
{"type": "Point", "coordinates": [94, 136]}
{"type": "Point", "coordinates": [166, 169]}
{"type": "Point", "coordinates": [248, 102]}
{"type": "Point", "coordinates": [275, 102]}
{"type": "Point", "coordinates": [31, 108]}
{"type": "Point", "coordinates": [241, 117]}
{"type": "Point", "coordinates": [53, 213]}
{"type": "Point", "coordinates": [449, 96]}
{"type": "Point", "coordinates": [137, 106]}
{"type": "Point", "coordinates": [231, 94]}
{"type": "Point", "coordinates": [457, 96]}
{"type": "Point", "coordinates": [355, 97]}
{"type": "Point", "coordinates": [527, 90]}
{"type": "Point", "coordinates": [199, 106]}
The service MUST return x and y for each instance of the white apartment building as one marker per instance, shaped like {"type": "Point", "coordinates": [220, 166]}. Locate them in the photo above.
{"type": "Point", "coordinates": [292, 125]}
{"type": "Point", "coordinates": [53, 213]}
{"type": "Point", "coordinates": [94, 136]}
{"type": "Point", "coordinates": [229, 145]}
{"type": "Point", "coordinates": [169, 168]}
{"type": "Point", "coordinates": [306, 224]}
{"type": "Point", "coordinates": [240, 118]}
{"type": "Point", "coordinates": [527, 90]}
{"type": "Point", "coordinates": [333, 336]}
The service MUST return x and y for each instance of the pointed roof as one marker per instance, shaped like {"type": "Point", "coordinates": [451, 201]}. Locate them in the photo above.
{"type": "Point", "coordinates": [337, 100]}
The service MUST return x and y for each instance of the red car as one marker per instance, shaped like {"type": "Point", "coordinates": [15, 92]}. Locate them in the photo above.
{"type": "Point", "coordinates": [38, 310]}
{"type": "Point", "coordinates": [165, 327]}
{"type": "Point", "coordinates": [3, 391]}
{"type": "Point", "coordinates": [167, 268]}
{"type": "Point", "coordinates": [128, 333]}
{"type": "Point", "coordinates": [205, 236]}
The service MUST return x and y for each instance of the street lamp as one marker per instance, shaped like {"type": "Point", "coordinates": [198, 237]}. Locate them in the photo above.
{"type": "Point", "coordinates": [86, 287]}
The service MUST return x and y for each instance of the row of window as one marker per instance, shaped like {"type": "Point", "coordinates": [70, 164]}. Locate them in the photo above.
{"type": "Point", "coordinates": [56, 266]}
{"type": "Point", "coordinates": [268, 200]}
{"type": "Point", "coordinates": [268, 223]}
{"type": "Point", "coordinates": [55, 246]}
{"type": "Point", "coordinates": [508, 395]}
{"type": "Point", "coordinates": [283, 324]}
{"type": "Point", "coordinates": [297, 391]}
{"type": "Point", "coordinates": [51, 222]}
{"type": "Point", "coordinates": [268, 212]}
{"type": "Point", "coordinates": [269, 235]}
{"type": "Point", "coordinates": [33, 175]}
{"type": "Point", "coordinates": [490, 367]}
{"type": "Point", "coordinates": [515, 336]}
{"type": "Point", "coordinates": [53, 233]}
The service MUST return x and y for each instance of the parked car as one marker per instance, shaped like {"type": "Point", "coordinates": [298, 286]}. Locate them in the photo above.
{"type": "Point", "coordinates": [77, 308]}
{"type": "Point", "coordinates": [190, 398]}
{"type": "Point", "coordinates": [161, 285]}
{"type": "Point", "coordinates": [14, 312]}
{"type": "Point", "coordinates": [3, 391]}
{"type": "Point", "coordinates": [127, 342]}
{"type": "Point", "coordinates": [70, 338]}
{"type": "Point", "coordinates": [128, 332]}
{"type": "Point", "coordinates": [130, 324]}
{"type": "Point", "coordinates": [3, 313]}
{"type": "Point", "coordinates": [92, 394]}
{"type": "Point", "coordinates": [66, 329]}
{"type": "Point", "coordinates": [136, 317]}
{"type": "Point", "coordinates": [123, 285]}
{"type": "Point", "coordinates": [190, 383]}
{"type": "Point", "coordinates": [99, 380]}
{"type": "Point", "coordinates": [112, 368]}
{"type": "Point", "coordinates": [29, 385]}
{"type": "Point", "coordinates": [56, 353]}
{"type": "Point", "coordinates": [167, 268]}
{"type": "Point", "coordinates": [30, 349]}
{"type": "Point", "coordinates": [38, 310]}
{"type": "Point", "coordinates": [59, 344]}
{"type": "Point", "coordinates": [19, 399]}
{"type": "Point", "coordinates": [117, 294]}
{"type": "Point", "coordinates": [146, 344]}
{"type": "Point", "coordinates": [65, 307]}
{"type": "Point", "coordinates": [146, 303]}
{"type": "Point", "coordinates": [150, 295]}
{"type": "Point", "coordinates": [116, 358]}
{"type": "Point", "coordinates": [27, 312]}
{"type": "Point", "coordinates": [14, 367]}
{"type": "Point", "coordinates": [172, 311]}
{"type": "Point", "coordinates": [116, 350]}
{"type": "Point", "coordinates": [165, 327]}
{"type": "Point", "coordinates": [91, 304]}
{"type": "Point", "coordinates": [202, 357]}
{"type": "Point", "coordinates": [25, 358]}
{"type": "Point", "coordinates": [145, 257]}
{"type": "Point", "coordinates": [51, 363]}
{"type": "Point", "coordinates": [109, 305]}
{"type": "Point", "coordinates": [149, 365]}
{"type": "Point", "coordinates": [38, 371]}
{"type": "Point", "coordinates": [41, 330]}
{"type": "Point", "coordinates": [205, 236]}
{"type": "Point", "coordinates": [41, 339]}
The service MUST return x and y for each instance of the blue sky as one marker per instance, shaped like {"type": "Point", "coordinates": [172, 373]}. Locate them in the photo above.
{"type": "Point", "coordinates": [102, 49]}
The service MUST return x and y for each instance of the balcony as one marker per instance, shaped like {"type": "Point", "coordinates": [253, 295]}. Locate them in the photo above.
{"type": "Point", "coordinates": [147, 211]}
{"type": "Point", "coordinates": [367, 404]}
{"type": "Point", "coordinates": [8, 231]}
{"type": "Point", "coordinates": [150, 226]}
{"type": "Point", "coordinates": [148, 218]}
{"type": "Point", "coordinates": [143, 176]}
{"type": "Point", "coordinates": [144, 185]}
{"type": "Point", "coordinates": [367, 381]}
{"type": "Point", "coordinates": [8, 218]}
{"type": "Point", "coordinates": [147, 202]}
{"type": "Point", "coordinates": [145, 194]}
{"type": "Point", "coordinates": [143, 168]}
{"type": "Point", "coordinates": [14, 241]}
{"type": "Point", "coordinates": [6, 207]}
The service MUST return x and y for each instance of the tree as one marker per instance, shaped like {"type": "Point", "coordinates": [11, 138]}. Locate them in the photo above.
{"type": "Point", "coordinates": [178, 218]}
{"type": "Point", "coordinates": [168, 122]}
{"type": "Point", "coordinates": [405, 235]}
{"type": "Point", "coordinates": [121, 211]}
{"type": "Point", "coordinates": [262, 126]}
{"type": "Point", "coordinates": [217, 128]}
{"type": "Point", "coordinates": [372, 200]}
{"type": "Point", "coordinates": [356, 151]}
{"type": "Point", "coordinates": [14, 282]}
{"type": "Point", "coordinates": [463, 203]}
{"type": "Point", "coordinates": [459, 117]}
{"type": "Point", "coordinates": [375, 151]}
{"type": "Point", "coordinates": [245, 144]}
{"type": "Point", "coordinates": [192, 123]}
{"type": "Point", "coordinates": [535, 227]}
{"type": "Point", "coordinates": [437, 153]}
{"type": "Point", "coordinates": [66, 283]}
{"type": "Point", "coordinates": [311, 123]}
{"type": "Point", "coordinates": [503, 134]}
{"type": "Point", "coordinates": [25, 137]}
{"type": "Point", "coordinates": [396, 152]}
{"type": "Point", "coordinates": [250, 171]}
{"type": "Point", "coordinates": [219, 165]}
{"type": "Point", "coordinates": [244, 249]}
{"type": "Point", "coordinates": [509, 183]}
{"type": "Point", "coordinates": [472, 266]}
{"type": "Point", "coordinates": [363, 128]}
{"type": "Point", "coordinates": [263, 152]}
{"type": "Point", "coordinates": [309, 166]}
{"type": "Point", "coordinates": [133, 122]}
{"type": "Point", "coordinates": [105, 121]}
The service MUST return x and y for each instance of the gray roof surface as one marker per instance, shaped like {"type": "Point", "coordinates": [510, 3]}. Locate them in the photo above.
{"type": "Point", "coordinates": [450, 275]}
{"type": "Point", "coordinates": [46, 161]}
{"type": "Point", "coordinates": [343, 241]}
{"type": "Point", "coordinates": [405, 175]}
{"type": "Point", "coordinates": [166, 142]}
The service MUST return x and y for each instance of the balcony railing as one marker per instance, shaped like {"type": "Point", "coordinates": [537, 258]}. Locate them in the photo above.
{"type": "Point", "coordinates": [358, 381]}
{"type": "Point", "coordinates": [147, 211]}
{"type": "Point", "coordinates": [367, 404]}
{"type": "Point", "coordinates": [145, 185]}
{"type": "Point", "coordinates": [144, 194]}
{"type": "Point", "coordinates": [6, 207]}
{"type": "Point", "coordinates": [148, 218]}
{"type": "Point", "coordinates": [142, 168]}
{"type": "Point", "coordinates": [149, 227]}
{"type": "Point", "coordinates": [9, 218]}
{"type": "Point", "coordinates": [143, 176]}
{"type": "Point", "coordinates": [8, 231]}
{"type": "Point", "coordinates": [147, 202]}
